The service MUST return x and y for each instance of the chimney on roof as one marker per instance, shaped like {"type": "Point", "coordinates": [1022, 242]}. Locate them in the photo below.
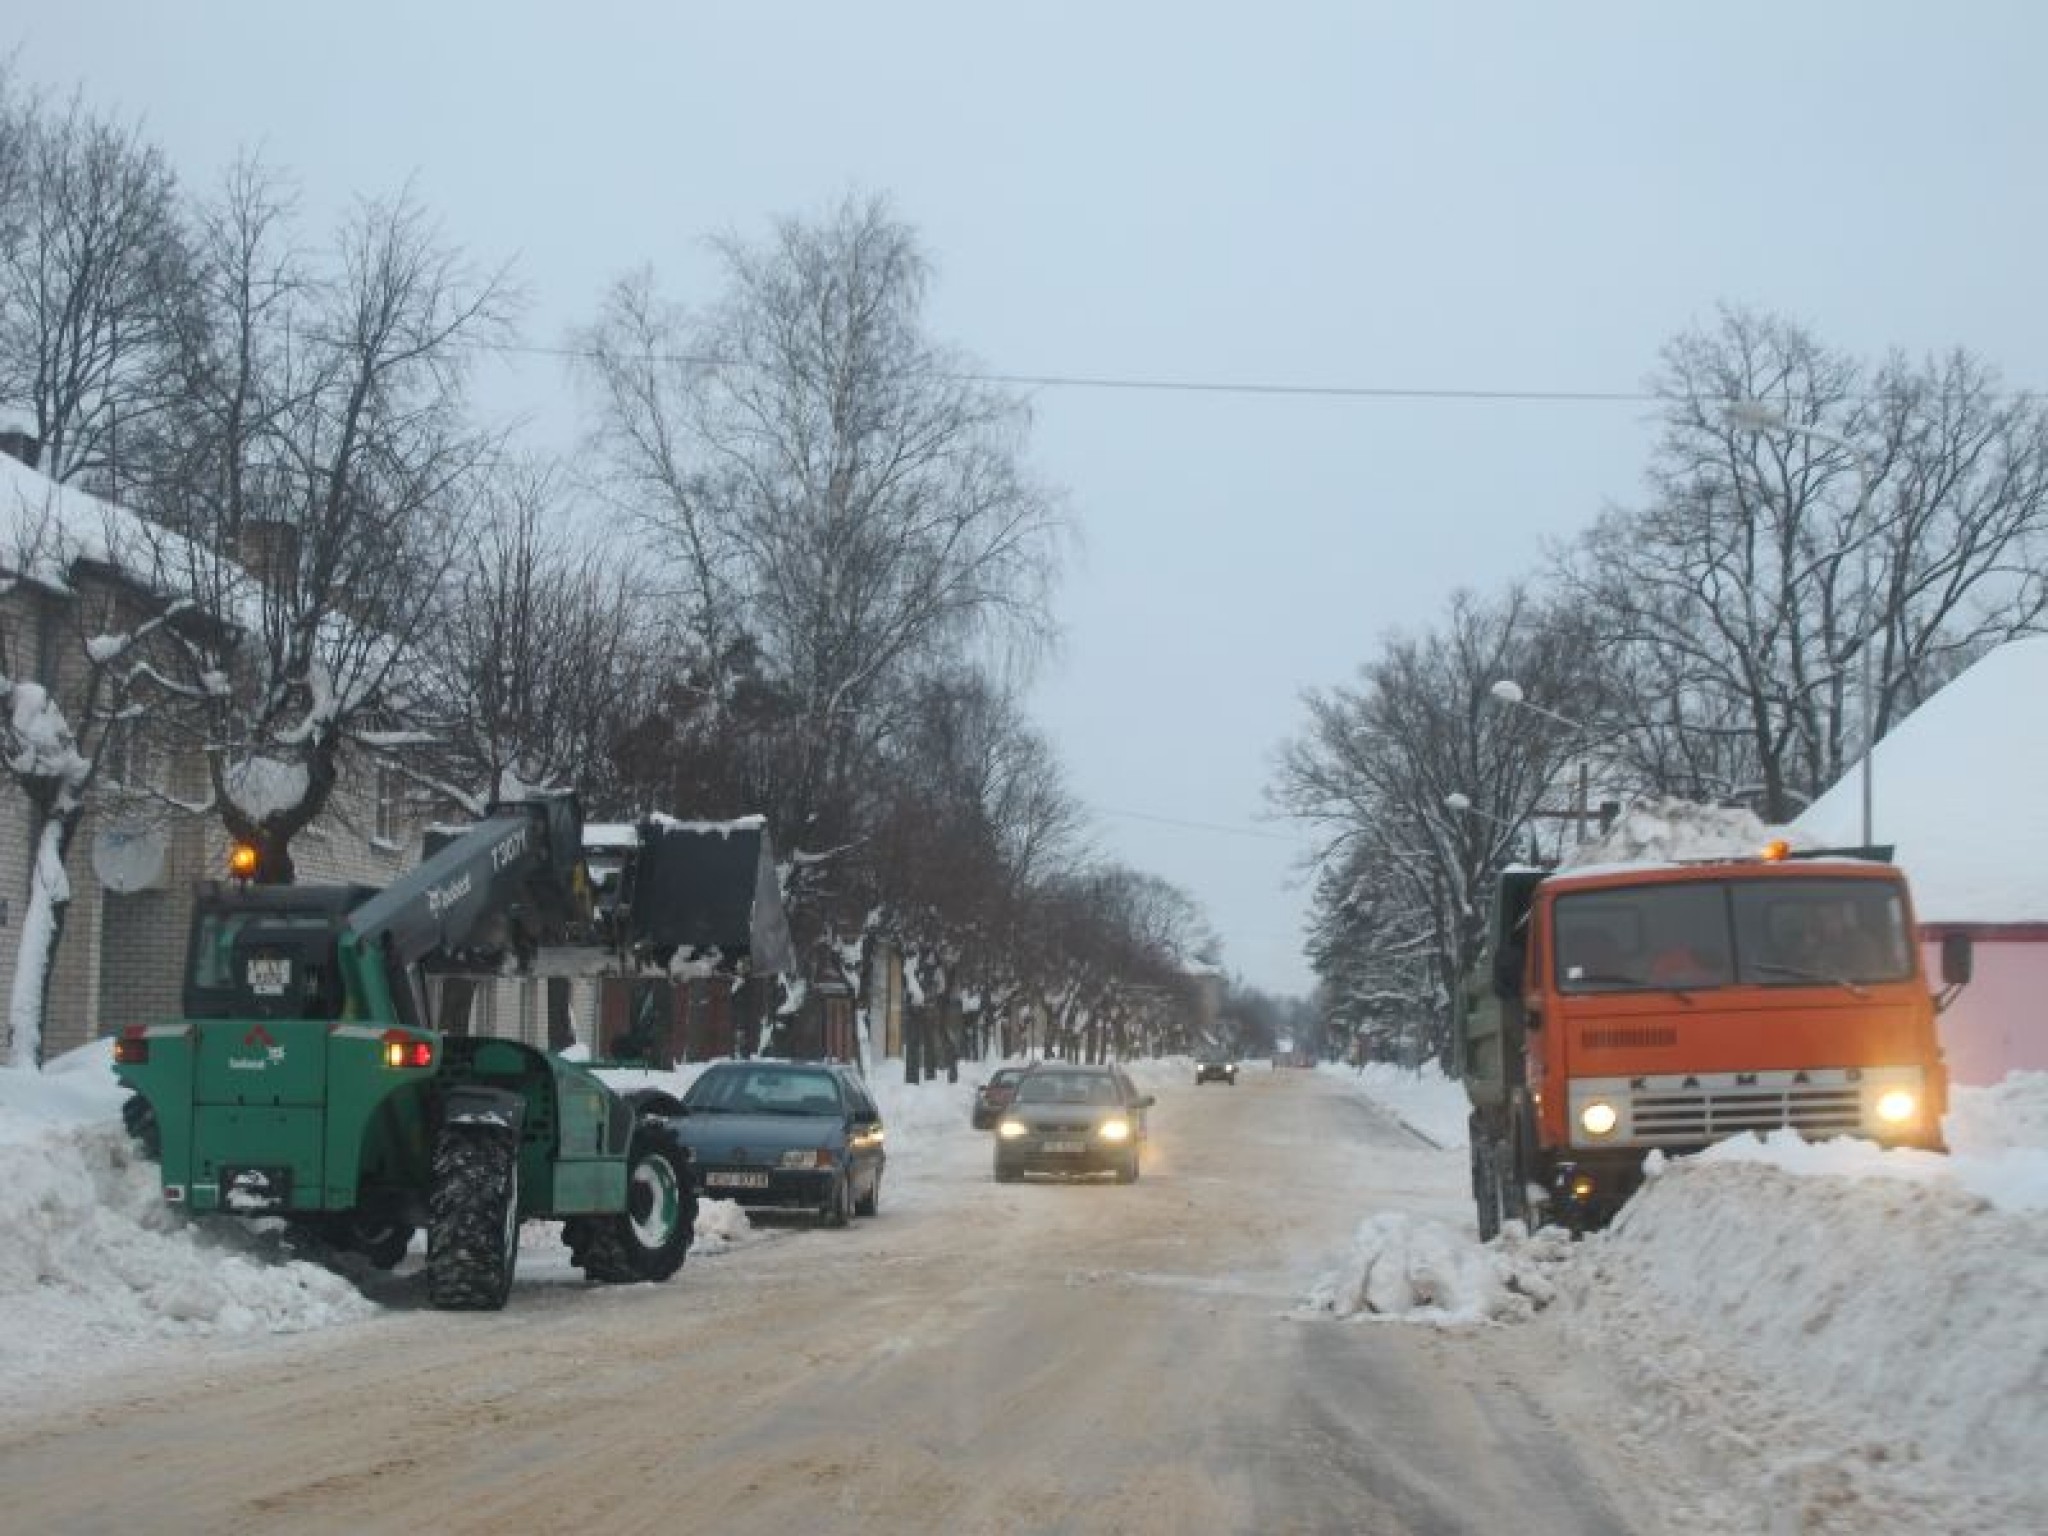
{"type": "Point", "coordinates": [25, 446]}
{"type": "Point", "coordinates": [268, 549]}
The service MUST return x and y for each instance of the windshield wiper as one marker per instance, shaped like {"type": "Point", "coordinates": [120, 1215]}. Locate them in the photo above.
{"type": "Point", "coordinates": [1800, 973]}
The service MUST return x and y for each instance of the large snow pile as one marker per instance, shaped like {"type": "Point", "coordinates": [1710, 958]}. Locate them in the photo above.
{"type": "Point", "coordinates": [1658, 831]}
{"type": "Point", "coordinates": [92, 1256]}
{"type": "Point", "coordinates": [1870, 1350]}
{"type": "Point", "coordinates": [1849, 1338]}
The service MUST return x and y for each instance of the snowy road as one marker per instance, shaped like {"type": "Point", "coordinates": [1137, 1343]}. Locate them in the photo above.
{"type": "Point", "coordinates": [1044, 1358]}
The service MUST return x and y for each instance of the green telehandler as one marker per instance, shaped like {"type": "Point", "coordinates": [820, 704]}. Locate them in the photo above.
{"type": "Point", "coordinates": [307, 1081]}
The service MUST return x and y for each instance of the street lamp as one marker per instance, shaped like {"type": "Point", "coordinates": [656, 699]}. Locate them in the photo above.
{"type": "Point", "coordinates": [1508, 691]}
{"type": "Point", "coordinates": [1461, 802]}
{"type": "Point", "coordinates": [1756, 417]}
{"type": "Point", "coordinates": [1457, 800]}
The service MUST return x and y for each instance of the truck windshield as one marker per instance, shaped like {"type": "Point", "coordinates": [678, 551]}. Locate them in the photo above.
{"type": "Point", "coordinates": [1767, 931]}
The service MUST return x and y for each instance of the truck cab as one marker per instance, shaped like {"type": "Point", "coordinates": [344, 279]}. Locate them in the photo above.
{"type": "Point", "coordinates": [1667, 1006]}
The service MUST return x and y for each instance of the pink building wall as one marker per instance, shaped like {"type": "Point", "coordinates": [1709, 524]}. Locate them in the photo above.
{"type": "Point", "coordinates": [1999, 1022]}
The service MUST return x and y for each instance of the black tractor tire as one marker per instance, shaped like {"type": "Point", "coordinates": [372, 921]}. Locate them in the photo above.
{"type": "Point", "coordinates": [837, 1211]}
{"type": "Point", "coordinates": [647, 1242]}
{"type": "Point", "coordinates": [473, 1218]}
{"type": "Point", "coordinates": [138, 1116]}
{"type": "Point", "coordinates": [1523, 1170]}
{"type": "Point", "coordinates": [383, 1243]}
{"type": "Point", "coordinates": [1486, 1195]}
{"type": "Point", "coordinates": [870, 1204]}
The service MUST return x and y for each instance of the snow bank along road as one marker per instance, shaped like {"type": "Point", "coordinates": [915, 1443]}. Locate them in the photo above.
{"type": "Point", "coordinates": [1035, 1358]}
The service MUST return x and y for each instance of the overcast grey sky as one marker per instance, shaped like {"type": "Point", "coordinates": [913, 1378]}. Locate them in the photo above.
{"type": "Point", "coordinates": [1422, 196]}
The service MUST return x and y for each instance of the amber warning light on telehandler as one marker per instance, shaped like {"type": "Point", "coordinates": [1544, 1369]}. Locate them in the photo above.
{"type": "Point", "coordinates": [242, 861]}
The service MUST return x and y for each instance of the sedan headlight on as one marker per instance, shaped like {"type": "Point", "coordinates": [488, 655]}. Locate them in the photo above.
{"type": "Point", "coordinates": [1010, 1130]}
{"type": "Point", "coordinates": [1897, 1106]}
{"type": "Point", "coordinates": [1599, 1118]}
{"type": "Point", "coordinates": [1114, 1130]}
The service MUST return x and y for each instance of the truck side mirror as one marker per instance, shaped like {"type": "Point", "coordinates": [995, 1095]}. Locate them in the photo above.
{"type": "Point", "coordinates": [1957, 959]}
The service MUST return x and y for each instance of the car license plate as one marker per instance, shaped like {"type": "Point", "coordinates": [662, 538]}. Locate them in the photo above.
{"type": "Point", "coordinates": [1067, 1147]}
{"type": "Point", "coordinates": [735, 1181]}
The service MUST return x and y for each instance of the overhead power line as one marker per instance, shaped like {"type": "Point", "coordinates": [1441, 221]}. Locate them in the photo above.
{"type": "Point", "coordinates": [1134, 382]}
{"type": "Point", "coordinates": [1196, 826]}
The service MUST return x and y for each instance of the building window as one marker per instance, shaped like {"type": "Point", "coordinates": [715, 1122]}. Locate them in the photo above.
{"type": "Point", "coordinates": [390, 806]}
{"type": "Point", "coordinates": [130, 760]}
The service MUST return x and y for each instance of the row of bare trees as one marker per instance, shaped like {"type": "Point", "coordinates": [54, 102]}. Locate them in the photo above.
{"type": "Point", "coordinates": [1708, 643]}
{"type": "Point", "coordinates": [801, 569]}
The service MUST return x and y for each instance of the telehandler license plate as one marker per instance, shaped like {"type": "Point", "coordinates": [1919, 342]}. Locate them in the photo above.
{"type": "Point", "coordinates": [255, 1189]}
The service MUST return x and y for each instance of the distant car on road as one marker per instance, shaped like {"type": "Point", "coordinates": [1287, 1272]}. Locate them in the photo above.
{"type": "Point", "coordinates": [1214, 1069]}
{"type": "Point", "coordinates": [792, 1134]}
{"type": "Point", "coordinates": [993, 1096]}
{"type": "Point", "coordinates": [1072, 1120]}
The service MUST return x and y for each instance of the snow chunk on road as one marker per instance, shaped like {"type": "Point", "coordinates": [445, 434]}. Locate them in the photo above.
{"type": "Point", "coordinates": [720, 1225]}
{"type": "Point", "coordinates": [1419, 1271]}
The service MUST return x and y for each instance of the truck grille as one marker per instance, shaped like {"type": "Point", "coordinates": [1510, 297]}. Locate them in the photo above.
{"type": "Point", "coordinates": [1707, 1114]}
{"type": "Point", "coordinates": [1622, 1037]}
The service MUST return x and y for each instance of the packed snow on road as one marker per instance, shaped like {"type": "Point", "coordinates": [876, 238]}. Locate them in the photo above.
{"type": "Point", "coordinates": [1851, 1338]}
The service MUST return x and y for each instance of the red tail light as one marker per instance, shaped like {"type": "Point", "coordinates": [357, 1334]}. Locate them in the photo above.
{"type": "Point", "coordinates": [131, 1049]}
{"type": "Point", "coordinates": [404, 1050]}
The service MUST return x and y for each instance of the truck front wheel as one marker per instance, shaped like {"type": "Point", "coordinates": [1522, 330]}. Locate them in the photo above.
{"type": "Point", "coordinates": [646, 1241]}
{"type": "Point", "coordinates": [473, 1218]}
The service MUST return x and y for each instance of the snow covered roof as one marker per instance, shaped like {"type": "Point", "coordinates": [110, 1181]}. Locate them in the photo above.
{"type": "Point", "coordinates": [50, 527]}
{"type": "Point", "coordinates": [47, 528]}
{"type": "Point", "coordinates": [1960, 787]}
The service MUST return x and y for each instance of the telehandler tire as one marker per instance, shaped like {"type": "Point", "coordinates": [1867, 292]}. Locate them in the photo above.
{"type": "Point", "coordinates": [648, 1240]}
{"type": "Point", "coordinates": [473, 1218]}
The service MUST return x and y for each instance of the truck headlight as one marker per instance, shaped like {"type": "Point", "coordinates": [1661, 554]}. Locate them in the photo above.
{"type": "Point", "coordinates": [1599, 1118]}
{"type": "Point", "coordinates": [1010, 1130]}
{"type": "Point", "coordinates": [1114, 1130]}
{"type": "Point", "coordinates": [1896, 1106]}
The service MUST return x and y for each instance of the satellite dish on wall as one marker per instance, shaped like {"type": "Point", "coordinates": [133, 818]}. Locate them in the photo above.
{"type": "Point", "coordinates": [130, 857]}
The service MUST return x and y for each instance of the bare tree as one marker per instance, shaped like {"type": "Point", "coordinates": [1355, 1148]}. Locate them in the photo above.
{"type": "Point", "coordinates": [541, 651]}
{"type": "Point", "coordinates": [94, 279]}
{"type": "Point", "coordinates": [1423, 785]}
{"type": "Point", "coordinates": [826, 471]}
{"type": "Point", "coordinates": [1741, 603]}
{"type": "Point", "coordinates": [326, 494]}
{"type": "Point", "coordinates": [1962, 561]}
{"type": "Point", "coordinates": [970, 816]}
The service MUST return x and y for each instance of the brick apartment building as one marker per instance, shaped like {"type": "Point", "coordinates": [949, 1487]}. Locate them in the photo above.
{"type": "Point", "coordinates": [137, 854]}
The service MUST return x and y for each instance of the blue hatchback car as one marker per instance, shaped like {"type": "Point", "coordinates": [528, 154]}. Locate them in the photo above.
{"type": "Point", "coordinates": [796, 1135]}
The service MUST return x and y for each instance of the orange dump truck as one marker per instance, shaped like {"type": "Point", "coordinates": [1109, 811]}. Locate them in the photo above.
{"type": "Point", "coordinates": [1642, 1007]}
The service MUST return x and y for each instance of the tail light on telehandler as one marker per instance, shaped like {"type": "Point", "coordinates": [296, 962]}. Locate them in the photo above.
{"type": "Point", "coordinates": [404, 1050]}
